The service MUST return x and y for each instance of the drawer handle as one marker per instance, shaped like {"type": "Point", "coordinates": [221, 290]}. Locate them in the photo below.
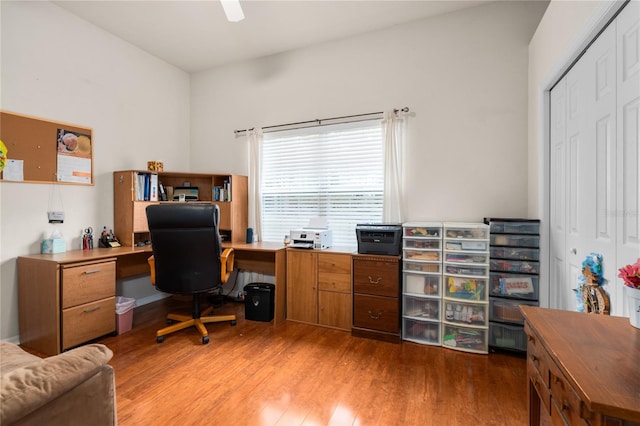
{"type": "Point", "coordinates": [565, 406]}
{"type": "Point", "coordinates": [92, 271]}
{"type": "Point", "coordinates": [375, 317]}
{"type": "Point", "coordinates": [377, 281]}
{"type": "Point", "coordinates": [88, 311]}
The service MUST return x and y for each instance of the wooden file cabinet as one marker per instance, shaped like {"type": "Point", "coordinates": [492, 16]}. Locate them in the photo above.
{"type": "Point", "coordinates": [580, 368]}
{"type": "Point", "coordinates": [376, 297]}
{"type": "Point", "coordinates": [319, 288]}
{"type": "Point", "coordinates": [65, 301]}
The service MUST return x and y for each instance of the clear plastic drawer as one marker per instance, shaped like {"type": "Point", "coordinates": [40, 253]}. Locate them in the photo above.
{"type": "Point", "coordinates": [421, 308]}
{"type": "Point", "coordinates": [470, 231]}
{"type": "Point", "coordinates": [504, 265]}
{"type": "Point", "coordinates": [467, 270]}
{"type": "Point", "coordinates": [461, 257]}
{"type": "Point", "coordinates": [422, 243]}
{"type": "Point", "coordinates": [434, 267]}
{"type": "Point", "coordinates": [514, 286]}
{"type": "Point", "coordinates": [515, 253]}
{"type": "Point", "coordinates": [422, 284]}
{"type": "Point", "coordinates": [465, 288]}
{"type": "Point", "coordinates": [423, 332]}
{"type": "Point", "coordinates": [507, 336]}
{"type": "Point", "coordinates": [515, 227]}
{"type": "Point", "coordinates": [515, 240]}
{"type": "Point", "coordinates": [427, 230]}
{"type": "Point", "coordinates": [466, 313]}
{"type": "Point", "coordinates": [470, 245]}
{"type": "Point", "coordinates": [507, 310]}
{"type": "Point", "coordinates": [423, 255]}
{"type": "Point", "coordinates": [465, 338]}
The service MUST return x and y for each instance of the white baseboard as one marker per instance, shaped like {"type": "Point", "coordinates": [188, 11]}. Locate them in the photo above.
{"type": "Point", "coordinates": [152, 298]}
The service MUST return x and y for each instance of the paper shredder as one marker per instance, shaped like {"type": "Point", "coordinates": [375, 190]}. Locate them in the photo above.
{"type": "Point", "coordinates": [258, 301]}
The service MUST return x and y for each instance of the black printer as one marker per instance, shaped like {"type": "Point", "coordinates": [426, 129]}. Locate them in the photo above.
{"type": "Point", "coordinates": [379, 238]}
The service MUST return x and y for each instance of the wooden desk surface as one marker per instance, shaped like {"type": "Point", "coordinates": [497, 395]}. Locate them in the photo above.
{"type": "Point", "coordinates": [71, 256]}
{"type": "Point", "coordinates": [600, 354]}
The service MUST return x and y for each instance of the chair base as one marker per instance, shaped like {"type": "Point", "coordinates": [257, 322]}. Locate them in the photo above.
{"type": "Point", "coordinates": [185, 321]}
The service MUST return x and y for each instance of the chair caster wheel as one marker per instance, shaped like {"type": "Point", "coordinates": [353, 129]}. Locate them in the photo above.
{"type": "Point", "coordinates": [159, 339]}
{"type": "Point", "coordinates": [169, 321]}
{"type": "Point", "coordinates": [205, 340]}
{"type": "Point", "coordinates": [233, 322]}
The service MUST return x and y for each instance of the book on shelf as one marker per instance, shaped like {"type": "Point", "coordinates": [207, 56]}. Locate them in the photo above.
{"type": "Point", "coordinates": [222, 192]}
{"type": "Point", "coordinates": [146, 187]}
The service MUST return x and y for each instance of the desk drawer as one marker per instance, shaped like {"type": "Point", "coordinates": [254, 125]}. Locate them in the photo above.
{"type": "Point", "coordinates": [87, 283]}
{"type": "Point", "coordinates": [540, 385]}
{"type": "Point", "coordinates": [376, 313]}
{"type": "Point", "coordinates": [568, 403]}
{"type": "Point", "coordinates": [329, 281]}
{"type": "Point", "coordinates": [335, 263]}
{"type": "Point", "coordinates": [89, 321]}
{"type": "Point", "coordinates": [376, 277]}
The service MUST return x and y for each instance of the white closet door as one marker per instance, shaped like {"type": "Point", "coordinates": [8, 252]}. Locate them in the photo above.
{"type": "Point", "coordinates": [628, 110]}
{"type": "Point", "coordinates": [600, 156]}
{"type": "Point", "coordinates": [579, 180]}
{"type": "Point", "coordinates": [558, 159]}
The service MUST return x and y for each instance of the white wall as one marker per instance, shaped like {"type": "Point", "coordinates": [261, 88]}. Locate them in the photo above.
{"type": "Point", "coordinates": [464, 76]}
{"type": "Point", "coordinates": [58, 67]}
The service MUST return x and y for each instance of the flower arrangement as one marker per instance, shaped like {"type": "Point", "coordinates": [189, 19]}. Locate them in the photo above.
{"type": "Point", "coordinates": [630, 274]}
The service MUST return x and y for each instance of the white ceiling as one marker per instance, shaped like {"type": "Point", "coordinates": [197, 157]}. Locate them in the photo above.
{"type": "Point", "coordinates": [195, 35]}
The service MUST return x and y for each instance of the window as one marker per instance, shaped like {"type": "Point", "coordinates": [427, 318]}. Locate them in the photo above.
{"type": "Point", "coordinates": [334, 171]}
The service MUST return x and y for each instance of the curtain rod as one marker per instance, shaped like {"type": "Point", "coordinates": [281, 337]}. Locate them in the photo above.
{"type": "Point", "coordinates": [319, 121]}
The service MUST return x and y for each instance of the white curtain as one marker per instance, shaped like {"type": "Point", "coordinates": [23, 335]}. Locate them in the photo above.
{"type": "Point", "coordinates": [393, 127]}
{"type": "Point", "coordinates": [254, 137]}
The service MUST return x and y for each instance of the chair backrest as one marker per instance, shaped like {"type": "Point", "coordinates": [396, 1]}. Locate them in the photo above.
{"type": "Point", "coordinates": [186, 246]}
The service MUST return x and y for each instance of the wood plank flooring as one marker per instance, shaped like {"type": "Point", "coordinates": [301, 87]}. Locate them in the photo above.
{"type": "Point", "coordinates": [256, 373]}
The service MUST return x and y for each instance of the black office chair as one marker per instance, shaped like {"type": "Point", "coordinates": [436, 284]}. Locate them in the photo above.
{"type": "Point", "coordinates": [188, 260]}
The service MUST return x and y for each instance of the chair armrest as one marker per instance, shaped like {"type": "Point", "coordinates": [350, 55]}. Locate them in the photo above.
{"type": "Point", "coordinates": [226, 261]}
{"type": "Point", "coordinates": [152, 265]}
{"type": "Point", "coordinates": [28, 388]}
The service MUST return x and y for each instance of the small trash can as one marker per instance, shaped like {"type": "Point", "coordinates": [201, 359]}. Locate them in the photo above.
{"type": "Point", "coordinates": [258, 301]}
{"type": "Point", "coordinates": [124, 314]}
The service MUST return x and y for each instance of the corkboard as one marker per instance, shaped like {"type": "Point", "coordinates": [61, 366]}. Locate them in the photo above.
{"type": "Point", "coordinates": [37, 143]}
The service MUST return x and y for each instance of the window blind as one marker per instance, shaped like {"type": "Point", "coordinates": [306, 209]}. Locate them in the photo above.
{"type": "Point", "coordinates": [333, 171]}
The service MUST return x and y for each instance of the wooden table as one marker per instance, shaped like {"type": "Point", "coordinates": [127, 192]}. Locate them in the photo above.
{"type": "Point", "coordinates": [583, 369]}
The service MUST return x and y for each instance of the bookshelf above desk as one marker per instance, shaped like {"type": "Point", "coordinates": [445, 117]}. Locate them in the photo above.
{"type": "Point", "coordinates": [129, 216]}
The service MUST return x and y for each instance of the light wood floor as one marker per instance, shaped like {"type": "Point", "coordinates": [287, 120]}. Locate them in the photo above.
{"type": "Point", "coordinates": [297, 374]}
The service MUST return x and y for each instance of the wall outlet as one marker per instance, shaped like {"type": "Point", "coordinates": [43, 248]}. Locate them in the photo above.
{"type": "Point", "coordinates": [56, 217]}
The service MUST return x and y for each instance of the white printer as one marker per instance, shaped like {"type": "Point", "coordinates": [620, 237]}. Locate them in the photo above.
{"type": "Point", "coordinates": [310, 238]}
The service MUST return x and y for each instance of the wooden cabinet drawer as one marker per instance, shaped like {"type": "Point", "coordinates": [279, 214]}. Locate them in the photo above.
{"type": "Point", "coordinates": [539, 385]}
{"type": "Point", "coordinates": [568, 402]}
{"type": "Point", "coordinates": [329, 281]}
{"type": "Point", "coordinates": [87, 283]}
{"type": "Point", "coordinates": [376, 313]}
{"type": "Point", "coordinates": [335, 263]}
{"type": "Point", "coordinates": [89, 321]}
{"type": "Point", "coordinates": [536, 355]}
{"type": "Point", "coordinates": [376, 277]}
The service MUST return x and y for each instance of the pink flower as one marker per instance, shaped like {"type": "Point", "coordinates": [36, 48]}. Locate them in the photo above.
{"type": "Point", "coordinates": [630, 274]}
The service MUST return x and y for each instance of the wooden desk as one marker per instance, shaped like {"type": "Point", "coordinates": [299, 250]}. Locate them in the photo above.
{"type": "Point", "coordinates": [583, 369]}
{"type": "Point", "coordinates": [68, 298]}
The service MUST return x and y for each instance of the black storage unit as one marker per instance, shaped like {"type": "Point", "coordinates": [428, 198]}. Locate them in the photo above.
{"type": "Point", "coordinates": [258, 301]}
{"type": "Point", "coordinates": [515, 267]}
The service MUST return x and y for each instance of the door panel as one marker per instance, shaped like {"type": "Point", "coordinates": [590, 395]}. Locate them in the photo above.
{"type": "Point", "coordinates": [628, 120]}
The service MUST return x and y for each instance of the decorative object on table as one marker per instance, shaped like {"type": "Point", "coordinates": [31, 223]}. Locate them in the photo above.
{"type": "Point", "coordinates": [87, 238]}
{"type": "Point", "coordinates": [155, 166]}
{"type": "Point", "coordinates": [630, 274]}
{"type": "Point", "coordinates": [594, 298]}
{"type": "Point", "coordinates": [54, 244]}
